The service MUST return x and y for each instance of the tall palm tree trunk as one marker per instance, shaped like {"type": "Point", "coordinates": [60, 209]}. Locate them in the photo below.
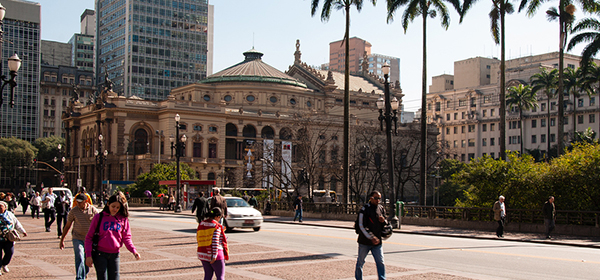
{"type": "Point", "coordinates": [423, 177]}
{"type": "Point", "coordinates": [548, 126]}
{"type": "Point", "coordinates": [347, 106]}
{"type": "Point", "coordinates": [561, 96]}
{"type": "Point", "coordinates": [503, 89]}
{"type": "Point", "coordinates": [574, 116]}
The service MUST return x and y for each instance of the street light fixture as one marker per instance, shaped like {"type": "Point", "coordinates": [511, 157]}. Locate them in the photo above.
{"type": "Point", "coordinates": [14, 63]}
{"type": "Point", "coordinates": [61, 159]}
{"type": "Point", "coordinates": [179, 146]}
{"type": "Point", "coordinates": [100, 162]}
{"type": "Point", "coordinates": [391, 107]}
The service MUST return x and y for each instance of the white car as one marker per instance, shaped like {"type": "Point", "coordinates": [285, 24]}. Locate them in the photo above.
{"type": "Point", "coordinates": [241, 215]}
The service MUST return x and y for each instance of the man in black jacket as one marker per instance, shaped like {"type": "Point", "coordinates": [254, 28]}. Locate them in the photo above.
{"type": "Point", "coordinates": [549, 216]}
{"type": "Point", "coordinates": [371, 219]}
{"type": "Point", "coordinates": [201, 205]}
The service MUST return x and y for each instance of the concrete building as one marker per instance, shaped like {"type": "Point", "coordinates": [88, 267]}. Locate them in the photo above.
{"type": "Point", "coordinates": [149, 47]}
{"type": "Point", "coordinates": [249, 106]}
{"type": "Point", "coordinates": [467, 115]}
{"type": "Point", "coordinates": [359, 50]}
{"type": "Point", "coordinates": [55, 53]}
{"type": "Point", "coordinates": [88, 22]}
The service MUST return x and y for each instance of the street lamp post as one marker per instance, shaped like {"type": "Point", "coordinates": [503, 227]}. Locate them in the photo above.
{"type": "Point", "coordinates": [100, 162]}
{"type": "Point", "coordinates": [391, 107]}
{"type": "Point", "coordinates": [61, 159]}
{"type": "Point", "coordinates": [14, 63]}
{"type": "Point", "coordinates": [159, 133]}
{"type": "Point", "coordinates": [179, 146]}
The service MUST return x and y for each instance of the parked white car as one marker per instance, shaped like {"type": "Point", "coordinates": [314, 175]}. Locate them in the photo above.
{"type": "Point", "coordinates": [241, 215]}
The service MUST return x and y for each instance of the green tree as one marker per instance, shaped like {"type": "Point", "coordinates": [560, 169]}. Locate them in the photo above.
{"type": "Point", "coordinates": [450, 192]}
{"type": "Point", "coordinates": [48, 148]}
{"type": "Point", "coordinates": [325, 14]}
{"type": "Point", "coordinates": [425, 9]}
{"type": "Point", "coordinates": [547, 81]}
{"type": "Point", "coordinates": [587, 31]}
{"type": "Point", "coordinates": [500, 8]}
{"type": "Point", "coordinates": [524, 99]}
{"type": "Point", "coordinates": [575, 84]}
{"type": "Point", "coordinates": [160, 172]}
{"type": "Point", "coordinates": [15, 156]}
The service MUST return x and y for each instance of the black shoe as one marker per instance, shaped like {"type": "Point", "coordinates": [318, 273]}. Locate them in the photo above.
{"type": "Point", "coordinates": [47, 230]}
{"type": "Point", "coordinates": [548, 237]}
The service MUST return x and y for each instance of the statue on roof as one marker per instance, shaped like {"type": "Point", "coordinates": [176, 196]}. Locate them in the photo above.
{"type": "Point", "coordinates": [108, 84]}
{"type": "Point", "coordinates": [330, 78]}
{"type": "Point", "coordinates": [297, 53]}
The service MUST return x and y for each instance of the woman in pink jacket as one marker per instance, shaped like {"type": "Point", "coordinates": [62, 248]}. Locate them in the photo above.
{"type": "Point", "coordinates": [111, 228]}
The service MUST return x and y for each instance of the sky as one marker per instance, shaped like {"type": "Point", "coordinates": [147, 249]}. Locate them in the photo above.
{"type": "Point", "coordinates": [273, 26]}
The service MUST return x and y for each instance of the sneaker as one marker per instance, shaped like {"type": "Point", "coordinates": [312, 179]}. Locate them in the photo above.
{"type": "Point", "coordinates": [5, 268]}
{"type": "Point", "coordinates": [47, 230]}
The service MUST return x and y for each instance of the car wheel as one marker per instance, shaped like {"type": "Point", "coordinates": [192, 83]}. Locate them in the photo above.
{"type": "Point", "coordinates": [256, 228]}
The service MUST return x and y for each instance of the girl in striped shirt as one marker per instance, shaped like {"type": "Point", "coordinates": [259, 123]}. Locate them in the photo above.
{"type": "Point", "coordinates": [212, 245]}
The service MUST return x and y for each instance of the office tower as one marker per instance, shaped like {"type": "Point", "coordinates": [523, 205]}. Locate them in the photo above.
{"type": "Point", "coordinates": [358, 49]}
{"type": "Point", "coordinates": [82, 44]}
{"type": "Point", "coordinates": [21, 36]}
{"type": "Point", "coordinates": [55, 53]}
{"type": "Point", "coordinates": [149, 47]}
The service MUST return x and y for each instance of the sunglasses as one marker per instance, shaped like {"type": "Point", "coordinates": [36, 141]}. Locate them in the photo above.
{"type": "Point", "coordinates": [377, 198]}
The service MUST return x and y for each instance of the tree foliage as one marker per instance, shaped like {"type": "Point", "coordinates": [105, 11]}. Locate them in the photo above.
{"type": "Point", "coordinates": [160, 172]}
{"type": "Point", "coordinates": [48, 147]}
{"type": "Point", "coordinates": [16, 152]}
{"type": "Point", "coordinates": [526, 184]}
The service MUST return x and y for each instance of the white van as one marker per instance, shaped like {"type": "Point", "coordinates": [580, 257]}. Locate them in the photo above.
{"type": "Point", "coordinates": [57, 191]}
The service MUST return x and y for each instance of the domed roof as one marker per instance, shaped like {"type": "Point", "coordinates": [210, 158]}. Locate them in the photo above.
{"type": "Point", "coordinates": [252, 69]}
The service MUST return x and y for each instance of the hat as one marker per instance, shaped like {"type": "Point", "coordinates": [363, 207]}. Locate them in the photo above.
{"type": "Point", "coordinates": [81, 197]}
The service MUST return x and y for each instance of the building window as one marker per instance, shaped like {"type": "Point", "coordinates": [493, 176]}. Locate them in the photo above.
{"type": "Point", "coordinates": [273, 99]}
{"type": "Point", "coordinates": [197, 150]}
{"type": "Point", "coordinates": [492, 141]}
{"type": "Point", "coordinates": [462, 103]}
{"type": "Point", "coordinates": [471, 128]}
{"type": "Point", "coordinates": [455, 116]}
{"type": "Point", "coordinates": [592, 118]}
{"type": "Point", "coordinates": [566, 120]}
{"type": "Point", "coordinates": [552, 106]}
{"type": "Point", "coordinates": [580, 119]}
{"type": "Point", "coordinates": [543, 138]}
{"type": "Point", "coordinates": [455, 144]}
{"type": "Point", "coordinates": [484, 113]}
{"type": "Point", "coordinates": [456, 130]}
{"type": "Point", "coordinates": [462, 129]}
{"type": "Point", "coordinates": [580, 102]}
{"type": "Point", "coordinates": [484, 142]}
{"type": "Point", "coordinates": [438, 106]}
{"type": "Point", "coordinates": [447, 130]}
{"type": "Point", "coordinates": [552, 122]}
{"type": "Point", "coordinates": [492, 127]}
{"type": "Point", "coordinates": [533, 139]}
{"type": "Point", "coordinates": [471, 142]}
{"type": "Point", "coordinates": [472, 155]}
{"type": "Point", "coordinates": [227, 98]}
{"type": "Point", "coordinates": [212, 150]}
{"type": "Point", "coordinates": [212, 129]}
{"type": "Point", "coordinates": [206, 97]}
{"type": "Point", "coordinates": [463, 143]}
{"type": "Point", "coordinates": [543, 107]}
{"type": "Point", "coordinates": [197, 127]}
{"type": "Point", "coordinates": [492, 112]}
{"type": "Point", "coordinates": [592, 101]}
{"type": "Point", "coordinates": [293, 101]}
{"type": "Point", "coordinates": [484, 127]}
{"type": "Point", "coordinates": [447, 117]}
{"type": "Point", "coordinates": [462, 115]}
{"type": "Point", "coordinates": [552, 138]}
{"type": "Point", "coordinates": [533, 123]}
{"type": "Point", "coordinates": [543, 123]}
{"type": "Point", "coordinates": [250, 98]}
{"type": "Point", "coordinates": [462, 157]}
{"type": "Point", "coordinates": [514, 140]}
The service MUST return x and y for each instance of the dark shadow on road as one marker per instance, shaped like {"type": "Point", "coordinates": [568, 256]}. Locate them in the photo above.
{"type": "Point", "coordinates": [164, 269]}
{"type": "Point", "coordinates": [187, 230]}
{"type": "Point", "coordinates": [455, 249]}
{"type": "Point", "coordinates": [288, 259]}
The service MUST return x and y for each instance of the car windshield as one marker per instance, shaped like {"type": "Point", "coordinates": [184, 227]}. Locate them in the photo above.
{"type": "Point", "coordinates": [237, 202]}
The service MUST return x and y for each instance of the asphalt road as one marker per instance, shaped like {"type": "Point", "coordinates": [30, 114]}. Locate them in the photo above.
{"type": "Point", "coordinates": [278, 249]}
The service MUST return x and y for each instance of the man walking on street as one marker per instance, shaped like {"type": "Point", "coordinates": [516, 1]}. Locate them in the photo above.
{"type": "Point", "coordinates": [80, 218]}
{"type": "Point", "coordinates": [24, 201]}
{"type": "Point", "coordinates": [500, 216]}
{"type": "Point", "coordinates": [218, 201]}
{"type": "Point", "coordinates": [549, 216]}
{"type": "Point", "coordinates": [49, 210]}
{"type": "Point", "coordinates": [298, 207]}
{"type": "Point", "coordinates": [201, 205]}
{"type": "Point", "coordinates": [371, 219]}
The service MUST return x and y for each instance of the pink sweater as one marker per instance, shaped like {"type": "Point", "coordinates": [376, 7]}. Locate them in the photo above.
{"type": "Point", "coordinates": [114, 232]}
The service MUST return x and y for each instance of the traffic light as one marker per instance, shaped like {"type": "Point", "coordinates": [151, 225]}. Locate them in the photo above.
{"type": "Point", "coordinates": [34, 160]}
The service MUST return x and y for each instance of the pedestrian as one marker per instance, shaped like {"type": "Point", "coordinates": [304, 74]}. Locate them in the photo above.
{"type": "Point", "coordinates": [84, 192]}
{"type": "Point", "coordinates": [113, 231]}
{"type": "Point", "coordinates": [48, 208]}
{"type": "Point", "coordinates": [252, 201]}
{"type": "Point", "coordinates": [245, 197]}
{"type": "Point", "coordinates": [298, 207]}
{"type": "Point", "coordinates": [24, 202]}
{"type": "Point", "coordinates": [371, 220]}
{"type": "Point", "coordinates": [62, 204]}
{"type": "Point", "coordinates": [162, 202]}
{"type": "Point", "coordinates": [200, 206]}
{"type": "Point", "coordinates": [80, 217]}
{"type": "Point", "coordinates": [218, 201]}
{"type": "Point", "coordinates": [172, 202]}
{"type": "Point", "coordinates": [93, 196]}
{"type": "Point", "coordinates": [8, 221]}
{"type": "Point", "coordinates": [11, 202]}
{"type": "Point", "coordinates": [549, 216]}
{"type": "Point", "coordinates": [36, 203]}
{"type": "Point", "coordinates": [212, 245]}
{"type": "Point", "coordinates": [500, 216]}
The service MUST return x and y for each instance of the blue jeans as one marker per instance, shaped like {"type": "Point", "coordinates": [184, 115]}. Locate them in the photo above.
{"type": "Point", "coordinates": [298, 215]}
{"type": "Point", "coordinates": [107, 266]}
{"type": "Point", "coordinates": [81, 270]}
{"type": "Point", "coordinates": [377, 253]}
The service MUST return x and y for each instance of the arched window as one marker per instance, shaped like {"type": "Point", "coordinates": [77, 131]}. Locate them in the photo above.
{"type": "Point", "coordinates": [267, 132]}
{"type": "Point", "coordinates": [141, 142]}
{"type": "Point", "coordinates": [212, 176]}
{"type": "Point", "coordinates": [285, 134]}
{"type": "Point", "coordinates": [231, 130]}
{"type": "Point", "coordinates": [249, 131]}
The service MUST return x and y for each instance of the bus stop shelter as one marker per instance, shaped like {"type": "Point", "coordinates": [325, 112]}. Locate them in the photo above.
{"type": "Point", "coordinates": [190, 189]}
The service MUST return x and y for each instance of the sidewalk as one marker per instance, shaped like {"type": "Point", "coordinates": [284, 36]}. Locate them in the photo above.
{"type": "Point", "coordinates": [591, 242]}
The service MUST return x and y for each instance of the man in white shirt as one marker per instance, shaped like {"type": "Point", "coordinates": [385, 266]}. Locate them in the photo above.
{"type": "Point", "coordinates": [500, 216]}
{"type": "Point", "coordinates": [49, 210]}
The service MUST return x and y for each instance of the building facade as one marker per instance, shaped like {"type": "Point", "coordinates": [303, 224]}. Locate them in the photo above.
{"type": "Point", "coordinates": [468, 116]}
{"type": "Point", "coordinates": [55, 53]}
{"type": "Point", "coordinates": [250, 106]}
{"type": "Point", "coordinates": [149, 47]}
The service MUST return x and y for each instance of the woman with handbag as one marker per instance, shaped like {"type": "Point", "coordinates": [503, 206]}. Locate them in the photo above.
{"type": "Point", "coordinates": [8, 224]}
{"type": "Point", "coordinates": [212, 245]}
{"type": "Point", "coordinates": [109, 231]}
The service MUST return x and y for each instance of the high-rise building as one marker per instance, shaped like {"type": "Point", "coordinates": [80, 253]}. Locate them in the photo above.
{"type": "Point", "coordinates": [360, 48]}
{"type": "Point", "coordinates": [82, 44]}
{"type": "Point", "coordinates": [149, 47]}
{"type": "Point", "coordinates": [21, 36]}
{"type": "Point", "coordinates": [55, 53]}
{"type": "Point", "coordinates": [88, 22]}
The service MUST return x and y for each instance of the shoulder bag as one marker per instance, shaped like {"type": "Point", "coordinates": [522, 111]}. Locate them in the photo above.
{"type": "Point", "coordinates": [96, 237]}
{"type": "Point", "coordinates": [12, 235]}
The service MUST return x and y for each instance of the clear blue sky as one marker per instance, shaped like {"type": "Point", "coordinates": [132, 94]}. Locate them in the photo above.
{"type": "Point", "coordinates": [272, 27]}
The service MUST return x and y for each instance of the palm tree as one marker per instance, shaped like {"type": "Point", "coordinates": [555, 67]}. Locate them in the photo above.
{"type": "Point", "coordinates": [592, 81]}
{"type": "Point", "coordinates": [524, 99]}
{"type": "Point", "coordinates": [325, 14]}
{"type": "Point", "coordinates": [564, 14]}
{"type": "Point", "coordinates": [588, 30]}
{"type": "Point", "coordinates": [423, 8]}
{"type": "Point", "coordinates": [547, 81]}
{"type": "Point", "coordinates": [500, 8]}
{"type": "Point", "coordinates": [576, 84]}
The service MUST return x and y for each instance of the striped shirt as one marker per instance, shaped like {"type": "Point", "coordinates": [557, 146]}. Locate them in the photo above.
{"type": "Point", "coordinates": [81, 220]}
